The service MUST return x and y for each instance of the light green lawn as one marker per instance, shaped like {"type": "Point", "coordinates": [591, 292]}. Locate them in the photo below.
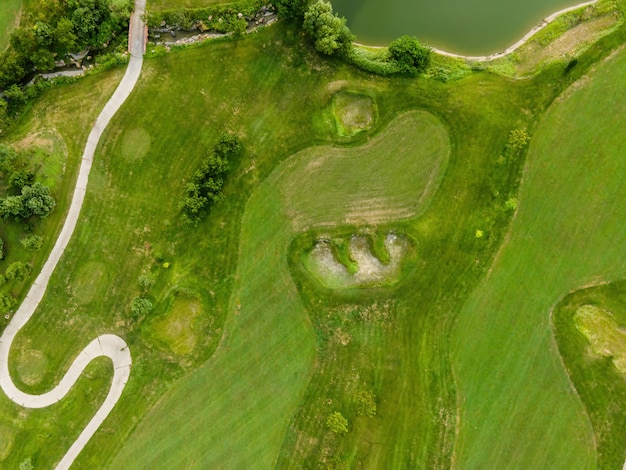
{"type": "Point", "coordinates": [9, 19]}
{"type": "Point", "coordinates": [569, 231]}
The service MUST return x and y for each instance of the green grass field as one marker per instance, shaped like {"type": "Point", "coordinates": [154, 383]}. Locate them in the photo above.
{"type": "Point", "coordinates": [9, 18]}
{"type": "Point", "coordinates": [245, 355]}
{"type": "Point", "coordinates": [569, 232]}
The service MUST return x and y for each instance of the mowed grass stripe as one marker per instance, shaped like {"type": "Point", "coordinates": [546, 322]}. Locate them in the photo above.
{"type": "Point", "coordinates": [518, 409]}
{"type": "Point", "coordinates": [385, 179]}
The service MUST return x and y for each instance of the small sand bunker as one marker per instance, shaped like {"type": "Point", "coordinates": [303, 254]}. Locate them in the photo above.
{"type": "Point", "coordinates": [603, 333]}
{"type": "Point", "coordinates": [370, 272]}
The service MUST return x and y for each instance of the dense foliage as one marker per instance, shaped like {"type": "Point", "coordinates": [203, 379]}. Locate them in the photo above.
{"type": "Point", "coordinates": [205, 187]}
{"type": "Point", "coordinates": [410, 56]}
{"type": "Point", "coordinates": [329, 32]}
{"type": "Point", "coordinates": [46, 35]}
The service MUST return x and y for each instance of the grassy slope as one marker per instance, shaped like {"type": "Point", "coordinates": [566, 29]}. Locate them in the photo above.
{"type": "Point", "coordinates": [569, 231]}
{"type": "Point", "coordinates": [8, 20]}
{"type": "Point", "coordinates": [250, 389]}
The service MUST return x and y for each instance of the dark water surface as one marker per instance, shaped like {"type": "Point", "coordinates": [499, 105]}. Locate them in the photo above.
{"type": "Point", "coordinates": [475, 27]}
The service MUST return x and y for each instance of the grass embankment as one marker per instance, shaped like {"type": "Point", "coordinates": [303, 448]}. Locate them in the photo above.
{"type": "Point", "coordinates": [598, 381]}
{"type": "Point", "coordinates": [518, 407]}
{"type": "Point", "coordinates": [9, 19]}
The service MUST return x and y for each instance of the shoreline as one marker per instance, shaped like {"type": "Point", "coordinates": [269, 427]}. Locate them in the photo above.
{"type": "Point", "coordinates": [497, 55]}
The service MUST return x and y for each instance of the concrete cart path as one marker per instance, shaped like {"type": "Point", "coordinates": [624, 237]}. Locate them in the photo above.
{"type": "Point", "coordinates": [110, 346]}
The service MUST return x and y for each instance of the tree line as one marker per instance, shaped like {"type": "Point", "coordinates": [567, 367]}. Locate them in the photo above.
{"type": "Point", "coordinates": [331, 36]}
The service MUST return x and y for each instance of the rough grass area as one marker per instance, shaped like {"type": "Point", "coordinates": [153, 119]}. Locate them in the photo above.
{"type": "Point", "coordinates": [598, 382]}
{"type": "Point", "coordinates": [518, 408]}
{"type": "Point", "coordinates": [9, 19]}
{"type": "Point", "coordinates": [176, 327]}
{"type": "Point", "coordinates": [353, 112]}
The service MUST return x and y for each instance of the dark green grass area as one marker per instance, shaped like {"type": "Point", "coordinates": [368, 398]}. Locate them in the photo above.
{"type": "Point", "coordinates": [269, 360]}
{"type": "Point", "coordinates": [568, 232]}
{"type": "Point", "coordinates": [600, 385]}
{"type": "Point", "coordinates": [9, 19]}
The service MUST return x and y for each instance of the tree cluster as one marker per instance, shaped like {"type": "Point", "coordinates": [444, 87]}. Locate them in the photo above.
{"type": "Point", "coordinates": [24, 197]}
{"type": "Point", "coordinates": [328, 31]}
{"type": "Point", "coordinates": [205, 187]}
{"type": "Point", "coordinates": [55, 28]}
{"type": "Point", "coordinates": [34, 200]}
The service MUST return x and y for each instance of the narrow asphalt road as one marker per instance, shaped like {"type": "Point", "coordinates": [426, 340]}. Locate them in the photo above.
{"type": "Point", "coordinates": [110, 346]}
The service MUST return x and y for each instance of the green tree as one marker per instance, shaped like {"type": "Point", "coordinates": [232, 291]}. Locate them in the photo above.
{"type": "Point", "coordinates": [66, 40]}
{"type": "Point", "coordinates": [21, 178]}
{"type": "Point", "coordinates": [11, 68]}
{"type": "Point", "coordinates": [1, 249]}
{"type": "Point", "coordinates": [337, 423]}
{"type": "Point", "coordinates": [410, 55]}
{"type": "Point", "coordinates": [44, 34]}
{"type": "Point", "coordinates": [12, 206]}
{"type": "Point", "coordinates": [37, 200]}
{"type": "Point", "coordinates": [140, 306]}
{"type": "Point", "coordinates": [18, 271]}
{"type": "Point", "coordinates": [328, 31]}
{"type": "Point", "coordinates": [292, 9]}
{"type": "Point", "coordinates": [32, 242]}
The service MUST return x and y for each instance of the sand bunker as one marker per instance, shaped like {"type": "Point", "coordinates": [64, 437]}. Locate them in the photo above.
{"type": "Point", "coordinates": [371, 272]}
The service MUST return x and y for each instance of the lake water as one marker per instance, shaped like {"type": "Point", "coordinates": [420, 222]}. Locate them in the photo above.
{"type": "Point", "coordinates": [474, 27]}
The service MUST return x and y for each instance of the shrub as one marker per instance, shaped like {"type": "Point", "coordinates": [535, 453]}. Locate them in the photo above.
{"type": "Point", "coordinates": [32, 242]}
{"type": "Point", "coordinates": [140, 306]}
{"type": "Point", "coordinates": [18, 271]}
{"type": "Point", "coordinates": [146, 281]}
{"type": "Point", "coordinates": [337, 423]}
{"type": "Point", "coordinates": [410, 55]}
{"type": "Point", "coordinates": [518, 139]}
{"type": "Point", "coordinates": [365, 402]}
{"type": "Point", "coordinates": [329, 32]}
{"type": "Point", "coordinates": [7, 302]}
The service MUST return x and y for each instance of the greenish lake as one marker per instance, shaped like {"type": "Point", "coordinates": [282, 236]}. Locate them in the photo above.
{"type": "Point", "coordinates": [472, 27]}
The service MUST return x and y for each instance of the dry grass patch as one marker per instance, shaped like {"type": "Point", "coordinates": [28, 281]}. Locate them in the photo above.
{"type": "Point", "coordinates": [567, 46]}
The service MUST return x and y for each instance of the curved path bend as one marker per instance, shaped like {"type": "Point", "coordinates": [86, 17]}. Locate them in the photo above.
{"type": "Point", "coordinates": [111, 346]}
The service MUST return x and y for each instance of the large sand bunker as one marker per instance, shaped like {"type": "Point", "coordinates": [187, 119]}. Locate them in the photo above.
{"type": "Point", "coordinates": [371, 272]}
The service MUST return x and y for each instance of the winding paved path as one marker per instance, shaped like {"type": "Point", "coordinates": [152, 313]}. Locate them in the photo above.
{"type": "Point", "coordinates": [108, 345]}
